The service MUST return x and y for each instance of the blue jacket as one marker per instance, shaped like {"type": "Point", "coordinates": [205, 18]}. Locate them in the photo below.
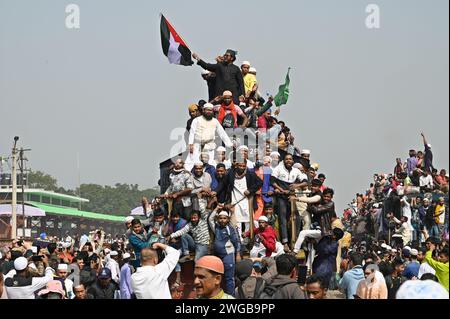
{"type": "Point", "coordinates": [138, 243]}
{"type": "Point", "coordinates": [226, 240]}
{"type": "Point", "coordinates": [350, 280]}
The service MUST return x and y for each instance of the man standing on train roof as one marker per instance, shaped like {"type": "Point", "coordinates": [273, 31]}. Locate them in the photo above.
{"type": "Point", "coordinates": [228, 76]}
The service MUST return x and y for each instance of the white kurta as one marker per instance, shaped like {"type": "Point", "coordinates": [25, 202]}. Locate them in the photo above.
{"type": "Point", "coordinates": [241, 210]}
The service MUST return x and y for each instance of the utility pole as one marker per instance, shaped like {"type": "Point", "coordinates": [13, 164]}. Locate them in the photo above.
{"type": "Point", "coordinates": [23, 186]}
{"type": "Point", "coordinates": [14, 190]}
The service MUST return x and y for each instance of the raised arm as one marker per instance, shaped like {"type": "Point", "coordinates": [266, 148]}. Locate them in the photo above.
{"type": "Point", "coordinates": [425, 142]}
{"type": "Point", "coordinates": [204, 65]}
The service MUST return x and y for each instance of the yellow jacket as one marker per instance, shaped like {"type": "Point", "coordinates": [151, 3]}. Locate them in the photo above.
{"type": "Point", "coordinates": [441, 269]}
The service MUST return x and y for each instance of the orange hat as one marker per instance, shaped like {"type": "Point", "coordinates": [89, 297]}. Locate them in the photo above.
{"type": "Point", "coordinates": [212, 263]}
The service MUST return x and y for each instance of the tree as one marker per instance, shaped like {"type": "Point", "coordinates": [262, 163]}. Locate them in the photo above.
{"type": "Point", "coordinates": [42, 180]}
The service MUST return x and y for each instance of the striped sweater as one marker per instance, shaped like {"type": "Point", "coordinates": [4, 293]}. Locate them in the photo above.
{"type": "Point", "coordinates": [200, 232]}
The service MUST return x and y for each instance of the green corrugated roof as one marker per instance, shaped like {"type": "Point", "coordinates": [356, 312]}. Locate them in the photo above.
{"type": "Point", "coordinates": [75, 212]}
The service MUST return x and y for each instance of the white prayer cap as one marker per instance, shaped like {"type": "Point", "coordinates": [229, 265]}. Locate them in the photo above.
{"type": "Point", "coordinates": [66, 245]}
{"type": "Point", "coordinates": [208, 106]}
{"type": "Point", "coordinates": [246, 63]}
{"type": "Point", "coordinates": [242, 147]}
{"type": "Point", "coordinates": [62, 267]}
{"type": "Point", "coordinates": [306, 152]}
{"type": "Point", "coordinates": [20, 263]}
{"type": "Point", "coordinates": [297, 166]}
{"type": "Point", "coordinates": [388, 247]}
{"type": "Point", "coordinates": [126, 255]}
{"type": "Point", "coordinates": [263, 219]}
{"type": "Point", "coordinates": [275, 154]}
{"type": "Point", "coordinates": [252, 70]}
{"type": "Point", "coordinates": [224, 213]}
{"type": "Point", "coordinates": [393, 250]}
{"type": "Point", "coordinates": [414, 252]}
{"type": "Point", "coordinates": [383, 245]}
{"type": "Point", "coordinates": [198, 163]}
{"type": "Point", "coordinates": [129, 219]}
{"type": "Point", "coordinates": [205, 72]}
{"type": "Point", "coordinates": [267, 158]}
{"type": "Point", "coordinates": [221, 149]}
{"type": "Point", "coordinates": [114, 253]}
{"type": "Point", "coordinates": [407, 247]}
{"type": "Point", "coordinates": [107, 251]}
{"type": "Point", "coordinates": [429, 145]}
{"type": "Point", "coordinates": [34, 249]}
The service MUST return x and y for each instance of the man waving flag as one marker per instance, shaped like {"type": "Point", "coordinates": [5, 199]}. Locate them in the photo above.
{"type": "Point", "coordinates": [174, 48]}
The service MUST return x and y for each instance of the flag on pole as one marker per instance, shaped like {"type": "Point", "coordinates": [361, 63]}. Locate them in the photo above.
{"type": "Point", "coordinates": [174, 47]}
{"type": "Point", "coordinates": [283, 92]}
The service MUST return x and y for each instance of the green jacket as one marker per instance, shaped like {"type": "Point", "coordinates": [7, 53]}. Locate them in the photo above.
{"type": "Point", "coordinates": [441, 269]}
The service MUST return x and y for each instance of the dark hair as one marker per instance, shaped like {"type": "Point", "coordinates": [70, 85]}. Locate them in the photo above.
{"type": "Point", "coordinates": [175, 213]}
{"type": "Point", "coordinates": [221, 165]}
{"type": "Point", "coordinates": [321, 175]}
{"type": "Point", "coordinates": [397, 262]}
{"type": "Point", "coordinates": [316, 279]}
{"type": "Point", "coordinates": [316, 182]}
{"type": "Point", "coordinates": [338, 233]}
{"type": "Point", "coordinates": [268, 205]}
{"type": "Point", "coordinates": [328, 191]}
{"type": "Point", "coordinates": [196, 212]}
{"type": "Point", "coordinates": [356, 259]}
{"type": "Point", "coordinates": [429, 276]}
{"type": "Point", "coordinates": [444, 251]}
{"type": "Point", "coordinates": [285, 264]}
{"type": "Point", "coordinates": [136, 221]}
{"type": "Point", "coordinates": [51, 248]}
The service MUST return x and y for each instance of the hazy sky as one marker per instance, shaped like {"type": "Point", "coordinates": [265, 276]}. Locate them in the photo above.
{"type": "Point", "coordinates": [359, 97]}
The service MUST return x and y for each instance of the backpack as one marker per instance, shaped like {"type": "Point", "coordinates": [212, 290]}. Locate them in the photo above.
{"type": "Point", "coordinates": [259, 288]}
{"type": "Point", "coordinates": [273, 292]}
{"type": "Point", "coordinates": [228, 121]}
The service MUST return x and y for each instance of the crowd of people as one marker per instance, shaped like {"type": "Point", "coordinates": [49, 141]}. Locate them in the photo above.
{"type": "Point", "coordinates": [253, 214]}
{"type": "Point", "coordinates": [400, 231]}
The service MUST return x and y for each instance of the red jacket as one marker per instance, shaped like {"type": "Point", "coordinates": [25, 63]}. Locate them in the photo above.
{"type": "Point", "coordinates": [268, 239]}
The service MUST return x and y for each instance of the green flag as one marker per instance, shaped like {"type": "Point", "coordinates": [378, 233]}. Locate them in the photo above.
{"type": "Point", "coordinates": [283, 92]}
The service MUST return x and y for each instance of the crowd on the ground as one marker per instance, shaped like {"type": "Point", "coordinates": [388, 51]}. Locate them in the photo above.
{"type": "Point", "coordinates": [400, 232]}
{"type": "Point", "coordinates": [258, 222]}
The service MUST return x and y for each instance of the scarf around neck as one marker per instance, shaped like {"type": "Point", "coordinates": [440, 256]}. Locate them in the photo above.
{"type": "Point", "coordinates": [222, 111]}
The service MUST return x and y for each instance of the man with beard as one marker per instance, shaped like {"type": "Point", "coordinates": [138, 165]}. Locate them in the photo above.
{"type": "Point", "coordinates": [228, 76]}
{"type": "Point", "coordinates": [220, 192]}
{"type": "Point", "coordinates": [285, 179]}
{"type": "Point", "coordinates": [275, 156]}
{"type": "Point", "coordinates": [228, 112]}
{"type": "Point", "coordinates": [221, 158]}
{"type": "Point", "coordinates": [202, 187]}
{"type": "Point", "coordinates": [265, 240]}
{"type": "Point", "coordinates": [208, 168]}
{"type": "Point", "coordinates": [203, 134]}
{"type": "Point", "coordinates": [242, 184]}
{"type": "Point", "coordinates": [305, 159]}
{"type": "Point", "coordinates": [103, 288]}
{"type": "Point", "coordinates": [180, 189]}
{"type": "Point", "coordinates": [226, 244]}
